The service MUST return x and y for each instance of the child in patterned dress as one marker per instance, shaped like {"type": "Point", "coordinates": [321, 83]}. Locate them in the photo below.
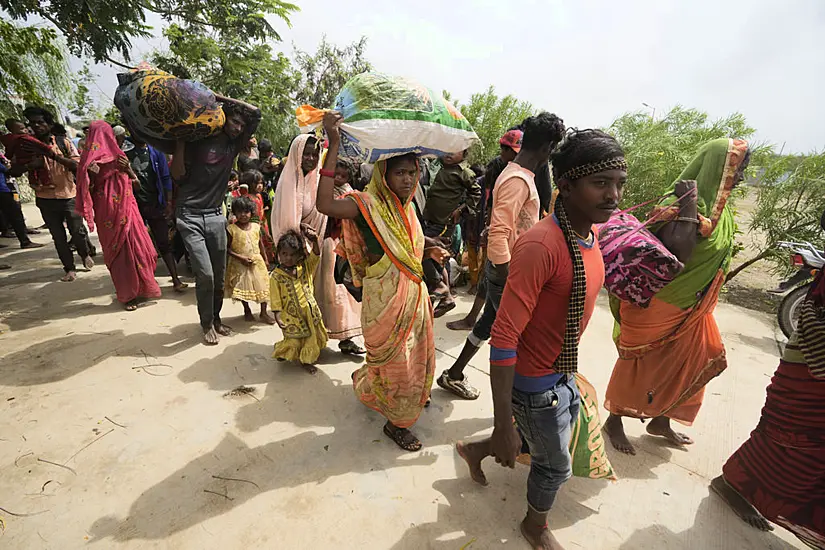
{"type": "Point", "coordinates": [291, 287]}
{"type": "Point", "coordinates": [246, 276]}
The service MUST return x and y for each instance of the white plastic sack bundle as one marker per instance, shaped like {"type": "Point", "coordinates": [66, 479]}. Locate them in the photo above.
{"type": "Point", "coordinates": [387, 116]}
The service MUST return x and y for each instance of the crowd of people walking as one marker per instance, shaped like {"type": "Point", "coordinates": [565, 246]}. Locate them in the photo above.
{"type": "Point", "coordinates": [330, 250]}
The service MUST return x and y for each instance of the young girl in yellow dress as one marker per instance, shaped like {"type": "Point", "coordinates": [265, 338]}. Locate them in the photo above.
{"type": "Point", "coordinates": [293, 300]}
{"type": "Point", "coordinates": [246, 276]}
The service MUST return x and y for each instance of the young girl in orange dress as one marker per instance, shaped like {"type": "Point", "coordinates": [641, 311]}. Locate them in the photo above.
{"type": "Point", "coordinates": [293, 299]}
{"type": "Point", "coordinates": [246, 276]}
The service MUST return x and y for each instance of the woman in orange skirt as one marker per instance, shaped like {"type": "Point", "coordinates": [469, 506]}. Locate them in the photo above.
{"type": "Point", "coordinates": [671, 349]}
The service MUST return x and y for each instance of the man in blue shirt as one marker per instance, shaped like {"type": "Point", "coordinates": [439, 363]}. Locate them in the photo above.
{"type": "Point", "coordinates": [153, 193]}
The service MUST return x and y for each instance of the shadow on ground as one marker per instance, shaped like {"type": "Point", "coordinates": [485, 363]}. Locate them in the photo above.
{"type": "Point", "coordinates": [49, 361]}
{"type": "Point", "coordinates": [292, 397]}
{"type": "Point", "coordinates": [713, 525]}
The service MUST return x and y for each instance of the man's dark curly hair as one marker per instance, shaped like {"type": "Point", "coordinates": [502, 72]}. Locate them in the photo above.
{"type": "Point", "coordinates": [541, 129]}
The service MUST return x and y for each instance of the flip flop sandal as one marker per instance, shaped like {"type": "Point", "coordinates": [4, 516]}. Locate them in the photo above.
{"type": "Point", "coordinates": [443, 309]}
{"type": "Point", "coordinates": [351, 348]}
{"type": "Point", "coordinates": [404, 442]}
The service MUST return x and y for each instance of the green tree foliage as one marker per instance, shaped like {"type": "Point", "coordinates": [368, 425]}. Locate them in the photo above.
{"type": "Point", "coordinates": [33, 67]}
{"type": "Point", "coordinates": [658, 149]}
{"type": "Point", "coordinates": [790, 202]}
{"type": "Point", "coordinates": [101, 28]}
{"type": "Point", "coordinates": [82, 106]}
{"type": "Point", "coordinates": [321, 76]}
{"type": "Point", "coordinates": [491, 116]}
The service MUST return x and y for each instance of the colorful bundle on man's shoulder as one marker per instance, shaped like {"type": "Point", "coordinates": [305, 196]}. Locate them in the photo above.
{"type": "Point", "coordinates": [162, 108]}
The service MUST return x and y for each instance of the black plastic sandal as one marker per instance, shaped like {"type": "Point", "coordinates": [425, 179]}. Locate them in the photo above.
{"type": "Point", "coordinates": [398, 436]}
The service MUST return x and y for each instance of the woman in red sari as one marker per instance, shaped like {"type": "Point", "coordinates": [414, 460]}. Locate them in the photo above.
{"type": "Point", "coordinates": [778, 474]}
{"type": "Point", "coordinates": [105, 196]}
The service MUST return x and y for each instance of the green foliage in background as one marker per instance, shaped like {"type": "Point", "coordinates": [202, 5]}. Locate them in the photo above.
{"type": "Point", "coordinates": [658, 149]}
{"type": "Point", "coordinates": [491, 116]}
{"type": "Point", "coordinates": [320, 76]}
{"type": "Point", "coordinates": [33, 67]}
{"type": "Point", "coordinates": [789, 204]}
{"type": "Point", "coordinates": [99, 29]}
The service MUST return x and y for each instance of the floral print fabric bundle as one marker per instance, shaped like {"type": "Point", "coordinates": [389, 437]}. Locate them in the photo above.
{"type": "Point", "coordinates": [162, 108]}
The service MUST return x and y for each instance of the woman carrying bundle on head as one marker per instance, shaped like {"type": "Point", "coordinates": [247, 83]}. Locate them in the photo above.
{"type": "Point", "coordinates": [384, 244]}
{"type": "Point", "coordinates": [669, 350]}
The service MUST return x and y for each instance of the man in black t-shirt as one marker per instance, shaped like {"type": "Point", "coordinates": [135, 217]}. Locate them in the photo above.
{"type": "Point", "coordinates": [201, 170]}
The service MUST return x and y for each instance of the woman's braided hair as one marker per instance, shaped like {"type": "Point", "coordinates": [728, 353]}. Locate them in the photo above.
{"type": "Point", "coordinates": [579, 148]}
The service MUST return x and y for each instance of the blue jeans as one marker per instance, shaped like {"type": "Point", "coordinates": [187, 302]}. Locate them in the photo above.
{"type": "Point", "coordinates": [545, 421]}
{"type": "Point", "coordinates": [204, 235]}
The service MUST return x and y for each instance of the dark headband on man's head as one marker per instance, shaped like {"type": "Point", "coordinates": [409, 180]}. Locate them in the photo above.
{"type": "Point", "coordinates": [577, 172]}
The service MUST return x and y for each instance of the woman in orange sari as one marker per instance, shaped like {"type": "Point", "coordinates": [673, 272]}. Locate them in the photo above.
{"type": "Point", "coordinates": [384, 244]}
{"type": "Point", "coordinates": [670, 350]}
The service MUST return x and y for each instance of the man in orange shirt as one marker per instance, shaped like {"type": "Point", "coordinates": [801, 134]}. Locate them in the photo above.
{"type": "Point", "coordinates": [515, 210]}
{"type": "Point", "coordinates": [555, 277]}
{"type": "Point", "coordinates": [55, 190]}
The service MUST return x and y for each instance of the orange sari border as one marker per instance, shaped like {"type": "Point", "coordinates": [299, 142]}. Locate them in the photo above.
{"type": "Point", "coordinates": [364, 209]}
{"type": "Point", "coordinates": [737, 148]}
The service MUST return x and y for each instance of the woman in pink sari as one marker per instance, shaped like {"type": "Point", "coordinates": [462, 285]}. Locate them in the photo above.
{"type": "Point", "coordinates": [105, 197]}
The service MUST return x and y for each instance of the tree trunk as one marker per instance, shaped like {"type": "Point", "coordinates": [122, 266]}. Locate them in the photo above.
{"type": "Point", "coordinates": [761, 256]}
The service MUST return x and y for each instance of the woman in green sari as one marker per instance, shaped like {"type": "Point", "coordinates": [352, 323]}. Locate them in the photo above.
{"type": "Point", "coordinates": [670, 350]}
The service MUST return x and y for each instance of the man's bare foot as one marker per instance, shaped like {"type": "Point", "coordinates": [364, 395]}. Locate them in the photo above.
{"type": "Point", "coordinates": [540, 538]}
{"type": "Point", "coordinates": [463, 324]}
{"type": "Point", "coordinates": [210, 337]}
{"type": "Point", "coordinates": [615, 433]}
{"type": "Point", "coordinates": [69, 277]}
{"type": "Point", "coordinates": [222, 329]}
{"type": "Point", "coordinates": [467, 451]}
{"type": "Point", "coordinates": [267, 318]}
{"type": "Point", "coordinates": [739, 505]}
{"type": "Point", "coordinates": [179, 286]}
{"type": "Point", "coordinates": [661, 426]}
{"type": "Point", "coordinates": [311, 369]}
{"type": "Point", "coordinates": [32, 244]}
{"type": "Point", "coordinates": [247, 316]}
{"type": "Point", "coordinates": [88, 263]}
{"type": "Point", "coordinates": [473, 290]}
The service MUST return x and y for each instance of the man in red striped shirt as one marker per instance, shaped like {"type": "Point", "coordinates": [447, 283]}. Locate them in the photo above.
{"type": "Point", "coordinates": [555, 276]}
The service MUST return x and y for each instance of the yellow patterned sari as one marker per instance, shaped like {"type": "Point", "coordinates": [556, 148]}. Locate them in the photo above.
{"type": "Point", "coordinates": [396, 313]}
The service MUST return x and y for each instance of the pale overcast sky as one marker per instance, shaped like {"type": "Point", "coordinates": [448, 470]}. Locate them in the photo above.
{"type": "Point", "coordinates": [591, 60]}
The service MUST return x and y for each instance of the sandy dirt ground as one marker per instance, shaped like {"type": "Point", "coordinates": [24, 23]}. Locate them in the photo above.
{"type": "Point", "coordinates": [116, 433]}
